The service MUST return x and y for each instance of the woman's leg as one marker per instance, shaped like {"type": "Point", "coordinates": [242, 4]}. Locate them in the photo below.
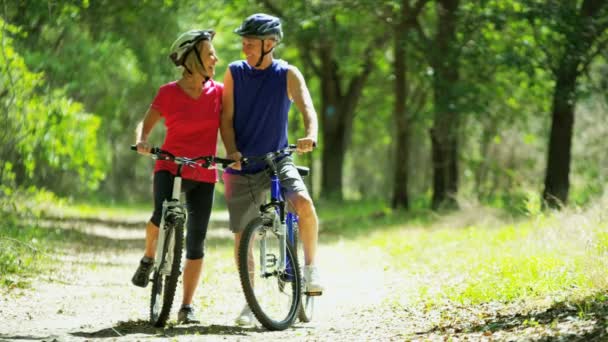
{"type": "Point", "coordinates": [199, 201]}
{"type": "Point", "coordinates": [163, 185]}
{"type": "Point", "coordinates": [151, 238]}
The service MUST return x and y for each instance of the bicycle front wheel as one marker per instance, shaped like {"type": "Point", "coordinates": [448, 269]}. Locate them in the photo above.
{"type": "Point", "coordinates": [163, 284]}
{"type": "Point", "coordinates": [273, 293]}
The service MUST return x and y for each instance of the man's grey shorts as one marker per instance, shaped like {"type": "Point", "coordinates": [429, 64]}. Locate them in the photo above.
{"type": "Point", "coordinates": [246, 192]}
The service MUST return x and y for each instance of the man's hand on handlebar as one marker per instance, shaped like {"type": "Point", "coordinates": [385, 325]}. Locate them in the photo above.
{"type": "Point", "coordinates": [305, 145]}
{"type": "Point", "coordinates": [236, 156]}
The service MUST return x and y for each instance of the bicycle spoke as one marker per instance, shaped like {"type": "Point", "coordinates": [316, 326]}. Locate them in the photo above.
{"type": "Point", "coordinates": [273, 293]}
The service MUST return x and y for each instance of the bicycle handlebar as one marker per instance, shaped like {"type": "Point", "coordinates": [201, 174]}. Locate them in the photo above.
{"type": "Point", "coordinates": [271, 156]}
{"type": "Point", "coordinates": [207, 161]}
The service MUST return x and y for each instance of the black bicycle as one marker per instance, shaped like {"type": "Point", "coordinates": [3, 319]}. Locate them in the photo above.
{"type": "Point", "coordinates": [170, 243]}
{"type": "Point", "coordinates": [274, 288]}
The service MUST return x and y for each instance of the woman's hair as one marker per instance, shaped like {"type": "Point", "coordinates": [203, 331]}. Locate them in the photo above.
{"type": "Point", "coordinates": [192, 63]}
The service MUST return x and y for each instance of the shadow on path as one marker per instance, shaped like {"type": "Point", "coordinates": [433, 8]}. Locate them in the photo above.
{"type": "Point", "coordinates": [143, 327]}
{"type": "Point", "coordinates": [591, 310]}
{"type": "Point", "coordinates": [4, 337]}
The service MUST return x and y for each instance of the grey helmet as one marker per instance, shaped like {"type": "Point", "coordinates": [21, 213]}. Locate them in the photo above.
{"type": "Point", "coordinates": [262, 26]}
{"type": "Point", "coordinates": [186, 43]}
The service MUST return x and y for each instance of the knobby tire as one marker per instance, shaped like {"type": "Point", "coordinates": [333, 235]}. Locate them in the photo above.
{"type": "Point", "coordinates": [167, 292]}
{"type": "Point", "coordinates": [253, 302]}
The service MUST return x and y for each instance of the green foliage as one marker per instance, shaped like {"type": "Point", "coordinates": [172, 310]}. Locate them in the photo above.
{"type": "Point", "coordinates": [46, 134]}
{"type": "Point", "coordinates": [21, 253]}
{"type": "Point", "coordinates": [22, 246]}
{"type": "Point", "coordinates": [91, 68]}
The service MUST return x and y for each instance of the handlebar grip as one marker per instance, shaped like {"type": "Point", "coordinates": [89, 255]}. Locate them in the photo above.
{"type": "Point", "coordinates": [314, 144]}
{"type": "Point", "coordinates": [223, 162]}
{"type": "Point", "coordinates": [153, 150]}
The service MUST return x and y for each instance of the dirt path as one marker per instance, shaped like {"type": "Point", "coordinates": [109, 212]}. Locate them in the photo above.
{"type": "Point", "coordinates": [90, 297]}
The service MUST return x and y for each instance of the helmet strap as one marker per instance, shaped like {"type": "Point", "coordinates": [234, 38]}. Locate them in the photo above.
{"type": "Point", "coordinates": [188, 70]}
{"type": "Point", "coordinates": [198, 56]}
{"type": "Point", "coordinates": [263, 54]}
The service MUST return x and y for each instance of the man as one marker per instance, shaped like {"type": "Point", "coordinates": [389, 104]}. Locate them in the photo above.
{"type": "Point", "coordinates": [258, 92]}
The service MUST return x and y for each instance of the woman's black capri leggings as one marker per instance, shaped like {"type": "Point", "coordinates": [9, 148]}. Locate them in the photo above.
{"type": "Point", "coordinates": [199, 201]}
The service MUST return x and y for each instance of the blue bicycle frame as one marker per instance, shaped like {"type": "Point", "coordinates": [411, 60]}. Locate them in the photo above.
{"type": "Point", "coordinates": [288, 219]}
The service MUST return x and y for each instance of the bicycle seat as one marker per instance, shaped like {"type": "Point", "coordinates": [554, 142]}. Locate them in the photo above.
{"type": "Point", "coordinates": [303, 170]}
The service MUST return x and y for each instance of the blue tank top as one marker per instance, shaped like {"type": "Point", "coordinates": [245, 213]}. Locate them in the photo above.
{"type": "Point", "coordinates": [261, 107]}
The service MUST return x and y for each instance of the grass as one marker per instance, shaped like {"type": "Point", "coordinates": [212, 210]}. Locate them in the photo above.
{"type": "Point", "coordinates": [354, 218]}
{"type": "Point", "coordinates": [21, 253]}
{"type": "Point", "coordinates": [562, 254]}
{"type": "Point", "coordinates": [98, 210]}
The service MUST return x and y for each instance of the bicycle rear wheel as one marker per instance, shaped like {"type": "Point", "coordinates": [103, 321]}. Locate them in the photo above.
{"type": "Point", "coordinates": [274, 296]}
{"type": "Point", "coordinates": [307, 304]}
{"type": "Point", "coordinates": [164, 285]}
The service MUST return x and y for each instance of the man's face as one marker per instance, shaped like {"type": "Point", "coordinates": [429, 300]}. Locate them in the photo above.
{"type": "Point", "coordinates": [252, 48]}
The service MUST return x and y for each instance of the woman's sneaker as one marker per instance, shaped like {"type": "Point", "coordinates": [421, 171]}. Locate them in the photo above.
{"type": "Point", "coordinates": [245, 318]}
{"type": "Point", "coordinates": [312, 281]}
{"type": "Point", "coordinates": [142, 274]}
{"type": "Point", "coordinates": [186, 315]}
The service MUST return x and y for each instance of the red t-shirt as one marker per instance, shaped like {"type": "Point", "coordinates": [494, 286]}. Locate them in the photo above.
{"type": "Point", "coordinates": [192, 126]}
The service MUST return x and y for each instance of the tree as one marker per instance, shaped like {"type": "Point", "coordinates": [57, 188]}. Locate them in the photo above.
{"type": "Point", "coordinates": [571, 34]}
{"type": "Point", "coordinates": [342, 66]}
{"type": "Point", "coordinates": [442, 52]}
{"type": "Point", "coordinates": [406, 15]}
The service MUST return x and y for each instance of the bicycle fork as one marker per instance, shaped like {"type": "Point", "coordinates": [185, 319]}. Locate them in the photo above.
{"type": "Point", "coordinates": [284, 225]}
{"type": "Point", "coordinates": [172, 208]}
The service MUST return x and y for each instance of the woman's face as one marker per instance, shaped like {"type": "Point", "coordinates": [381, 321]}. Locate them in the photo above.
{"type": "Point", "coordinates": [209, 58]}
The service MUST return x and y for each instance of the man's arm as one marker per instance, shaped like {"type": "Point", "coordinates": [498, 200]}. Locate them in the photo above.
{"type": "Point", "coordinates": [298, 92]}
{"type": "Point", "coordinates": [226, 122]}
{"type": "Point", "coordinates": [144, 128]}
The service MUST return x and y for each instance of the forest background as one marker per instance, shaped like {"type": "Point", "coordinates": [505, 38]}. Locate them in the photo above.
{"type": "Point", "coordinates": [421, 104]}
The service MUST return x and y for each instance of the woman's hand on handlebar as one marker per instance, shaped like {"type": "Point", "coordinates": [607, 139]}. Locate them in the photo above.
{"type": "Point", "coordinates": [143, 147]}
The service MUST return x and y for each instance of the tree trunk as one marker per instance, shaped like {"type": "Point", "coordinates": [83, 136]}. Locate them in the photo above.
{"type": "Point", "coordinates": [557, 181]}
{"type": "Point", "coordinates": [444, 134]}
{"type": "Point", "coordinates": [580, 41]}
{"type": "Point", "coordinates": [400, 195]}
{"type": "Point", "coordinates": [337, 115]}
{"type": "Point", "coordinates": [333, 129]}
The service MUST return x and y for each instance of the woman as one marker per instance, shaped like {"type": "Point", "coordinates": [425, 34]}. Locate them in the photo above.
{"type": "Point", "coordinates": [191, 108]}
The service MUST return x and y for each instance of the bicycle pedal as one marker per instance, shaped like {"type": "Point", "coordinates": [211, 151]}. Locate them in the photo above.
{"type": "Point", "coordinates": [313, 293]}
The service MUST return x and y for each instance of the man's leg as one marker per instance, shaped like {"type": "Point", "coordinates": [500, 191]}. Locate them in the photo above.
{"type": "Point", "coordinates": [309, 232]}
{"type": "Point", "coordinates": [308, 223]}
{"type": "Point", "coordinates": [243, 196]}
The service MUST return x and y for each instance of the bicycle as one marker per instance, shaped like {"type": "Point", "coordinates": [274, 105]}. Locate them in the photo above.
{"type": "Point", "coordinates": [273, 238]}
{"type": "Point", "coordinates": [170, 243]}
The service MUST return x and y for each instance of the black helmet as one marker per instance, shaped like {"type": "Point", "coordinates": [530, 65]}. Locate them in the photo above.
{"type": "Point", "coordinates": [261, 25]}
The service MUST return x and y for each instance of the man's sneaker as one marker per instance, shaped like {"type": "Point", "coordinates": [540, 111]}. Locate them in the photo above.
{"type": "Point", "coordinates": [312, 281]}
{"type": "Point", "coordinates": [142, 275]}
{"type": "Point", "coordinates": [245, 318]}
{"type": "Point", "coordinates": [186, 316]}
